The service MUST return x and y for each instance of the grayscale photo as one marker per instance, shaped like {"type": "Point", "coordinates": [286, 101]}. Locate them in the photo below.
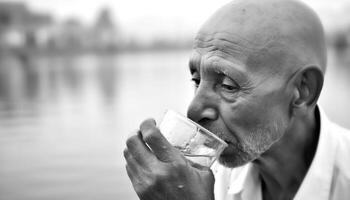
{"type": "Point", "coordinates": [174, 100]}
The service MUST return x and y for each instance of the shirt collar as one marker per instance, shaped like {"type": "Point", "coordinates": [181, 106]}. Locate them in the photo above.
{"type": "Point", "coordinates": [247, 185]}
{"type": "Point", "coordinates": [240, 183]}
{"type": "Point", "coordinates": [317, 182]}
{"type": "Point", "coordinates": [239, 179]}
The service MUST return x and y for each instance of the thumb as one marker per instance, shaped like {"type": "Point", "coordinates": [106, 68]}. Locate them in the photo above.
{"type": "Point", "coordinates": [199, 166]}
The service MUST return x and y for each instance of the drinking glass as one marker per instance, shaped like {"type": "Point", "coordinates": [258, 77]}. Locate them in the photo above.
{"type": "Point", "coordinates": [195, 142]}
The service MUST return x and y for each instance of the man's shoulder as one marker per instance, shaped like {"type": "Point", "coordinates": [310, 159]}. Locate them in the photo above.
{"type": "Point", "coordinates": [341, 134]}
{"type": "Point", "coordinates": [342, 158]}
{"type": "Point", "coordinates": [336, 137]}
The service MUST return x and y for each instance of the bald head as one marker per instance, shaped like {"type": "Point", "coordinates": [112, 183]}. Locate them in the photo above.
{"type": "Point", "coordinates": [287, 33]}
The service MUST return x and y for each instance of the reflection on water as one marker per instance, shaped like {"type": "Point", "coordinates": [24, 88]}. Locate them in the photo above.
{"type": "Point", "coordinates": [46, 80]}
{"type": "Point", "coordinates": [64, 120]}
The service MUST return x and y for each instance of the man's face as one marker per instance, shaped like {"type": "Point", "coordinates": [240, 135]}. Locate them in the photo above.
{"type": "Point", "coordinates": [240, 95]}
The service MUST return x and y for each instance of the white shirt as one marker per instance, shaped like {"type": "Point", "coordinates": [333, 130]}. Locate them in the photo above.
{"type": "Point", "coordinates": [328, 177]}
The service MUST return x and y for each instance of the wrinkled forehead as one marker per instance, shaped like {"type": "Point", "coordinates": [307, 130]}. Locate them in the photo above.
{"type": "Point", "coordinates": [240, 49]}
{"type": "Point", "coordinates": [222, 44]}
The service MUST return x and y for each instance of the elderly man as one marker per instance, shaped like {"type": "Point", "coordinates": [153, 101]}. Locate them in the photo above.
{"type": "Point", "coordinates": [258, 67]}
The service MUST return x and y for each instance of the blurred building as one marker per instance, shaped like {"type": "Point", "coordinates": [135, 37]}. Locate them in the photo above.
{"type": "Point", "coordinates": [71, 34]}
{"type": "Point", "coordinates": [29, 31]}
{"type": "Point", "coordinates": [19, 27]}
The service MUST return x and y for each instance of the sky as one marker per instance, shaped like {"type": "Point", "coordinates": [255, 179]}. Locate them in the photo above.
{"type": "Point", "coordinates": [158, 18]}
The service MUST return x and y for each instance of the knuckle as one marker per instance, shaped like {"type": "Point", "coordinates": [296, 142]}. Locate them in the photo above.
{"type": "Point", "coordinates": [145, 187]}
{"type": "Point", "coordinates": [160, 177]}
{"type": "Point", "coordinates": [156, 178]}
{"type": "Point", "coordinates": [131, 141]}
{"type": "Point", "coordinates": [179, 164]}
{"type": "Point", "coordinates": [126, 153]}
{"type": "Point", "coordinates": [141, 190]}
{"type": "Point", "coordinates": [178, 168]}
{"type": "Point", "coordinates": [151, 134]}
{"type": "Point", "coordinates": [128, 171]}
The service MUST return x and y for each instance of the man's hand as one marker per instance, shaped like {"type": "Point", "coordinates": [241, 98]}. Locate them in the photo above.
{"type": "Point", "coordinates": [158, 171]}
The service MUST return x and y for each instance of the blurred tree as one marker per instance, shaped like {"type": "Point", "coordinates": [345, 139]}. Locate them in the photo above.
{"type": "Point", "coordinates": [105, 32]}
{"type": "Point", "coordinates": [341, 41]}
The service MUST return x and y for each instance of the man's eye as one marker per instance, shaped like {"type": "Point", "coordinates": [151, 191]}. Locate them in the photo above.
{"type": "Point", "coordinates": [229, 85]}
{"type": "Point", "coordinates": [196, 81]}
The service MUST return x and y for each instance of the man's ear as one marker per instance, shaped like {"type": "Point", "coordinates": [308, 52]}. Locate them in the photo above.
{"type": "Point", "coordinates": [308, 85]}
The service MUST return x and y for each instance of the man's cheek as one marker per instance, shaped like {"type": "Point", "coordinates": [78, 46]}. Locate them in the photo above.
{"type": "Point", "coordinates": [241, 123]}
{"type": "Point", "coordinates": [245, 111]}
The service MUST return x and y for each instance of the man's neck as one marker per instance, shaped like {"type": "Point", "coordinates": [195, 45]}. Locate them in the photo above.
{"type": "Point", "coordinates": [283, 168]}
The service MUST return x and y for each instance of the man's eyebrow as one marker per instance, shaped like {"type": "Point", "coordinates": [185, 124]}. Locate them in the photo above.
{"type": "Point", "coordinates": [233, 71]}
{"type": "Point", "coordinates": [192, 66]}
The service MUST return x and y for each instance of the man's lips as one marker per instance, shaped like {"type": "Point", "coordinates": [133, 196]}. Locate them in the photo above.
{"type": "Point", "coordinates": [229, 150]}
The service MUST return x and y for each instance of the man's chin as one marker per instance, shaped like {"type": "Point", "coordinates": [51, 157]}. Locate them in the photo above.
{"type": "Point", "coordinates": [232, 161]}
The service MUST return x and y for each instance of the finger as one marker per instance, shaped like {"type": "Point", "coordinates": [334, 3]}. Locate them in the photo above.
{"type": "Point", "coordinates": [139, 150]}
{"type": "Point", "coordinates": [140, 186]}
{"type": "Point", "coordinates": [134, 178]}
{"type": "Point", "coordinates": [198, 166]}
{"type": "Point", "coordinates": [131, 162]}
{"type": "Point", "coordinates": [137, 173]}
{"type": "Point", "coordinates": [160, 146]}
{"type": "Point", "coordinates": [129, 171]}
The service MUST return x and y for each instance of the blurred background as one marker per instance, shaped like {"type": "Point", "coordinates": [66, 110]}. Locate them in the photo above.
{"type": "Point", "coordinates": [77, 76]}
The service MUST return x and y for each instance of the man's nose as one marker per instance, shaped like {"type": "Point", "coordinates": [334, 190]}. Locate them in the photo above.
{"type": "Point", "coordinates": [203, 107]}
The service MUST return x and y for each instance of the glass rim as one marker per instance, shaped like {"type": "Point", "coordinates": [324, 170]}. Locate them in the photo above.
{"type": "Point", "coordinates": [191, 122]}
